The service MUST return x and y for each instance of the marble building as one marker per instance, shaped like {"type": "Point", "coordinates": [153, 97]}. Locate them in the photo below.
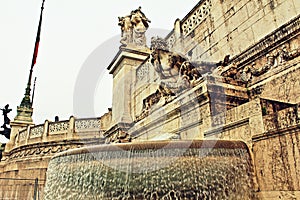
{"type": "Point", "coordinates": [228, 70]}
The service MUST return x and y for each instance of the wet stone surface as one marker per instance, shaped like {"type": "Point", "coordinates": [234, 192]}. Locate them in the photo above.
{"type": "Point", "coordinates": [165, 174]}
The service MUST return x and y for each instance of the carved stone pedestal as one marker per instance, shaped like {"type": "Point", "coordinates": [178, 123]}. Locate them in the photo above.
{"type": "Point", "coordinates": [123, 68]}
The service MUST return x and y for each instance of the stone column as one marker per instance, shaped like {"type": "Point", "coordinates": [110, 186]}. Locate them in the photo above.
{"type": "Point", "coordinates": [123, 68]}
{"type": "Point", "coordinates": [21, 121]}
{"type": "Point", "coordinates": [16, 126]}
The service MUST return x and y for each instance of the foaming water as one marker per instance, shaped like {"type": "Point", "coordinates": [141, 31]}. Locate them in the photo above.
{"type": "Point", "coordinates": [221, 170]}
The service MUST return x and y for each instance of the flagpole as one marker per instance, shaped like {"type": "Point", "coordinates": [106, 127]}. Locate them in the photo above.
{"type": "Point", "coordinates": [26, 100]}
{"type": "Point", "coordinates": [33, 90]}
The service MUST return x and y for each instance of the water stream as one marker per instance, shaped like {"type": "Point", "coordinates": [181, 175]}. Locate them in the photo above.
{"type": "Point", "coordinates": [152, 172]}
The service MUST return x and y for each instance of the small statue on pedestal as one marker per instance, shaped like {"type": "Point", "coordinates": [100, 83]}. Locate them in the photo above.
{"type": "Point", "coordinates": [133, 28]}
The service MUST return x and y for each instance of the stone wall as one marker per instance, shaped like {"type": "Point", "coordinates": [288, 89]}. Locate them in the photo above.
{"type": "Point", "coordinates": [146, 83]}
{"type": "Point", "coordinates": [215, 28]}
{"type": "Point", "coordinates": [277, 163]}
{"type": "Point", "coordinates": [186, 117]}
{"type": "Point", "coordinates": [284, 86]}
{"type": "Point", "coordinates": [30, 152]}
{"type": "Point", "coordinates": [239, 123]}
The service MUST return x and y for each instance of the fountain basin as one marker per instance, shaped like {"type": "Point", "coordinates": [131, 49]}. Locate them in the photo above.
{"type": "Point", "coordinates": [199, 169]}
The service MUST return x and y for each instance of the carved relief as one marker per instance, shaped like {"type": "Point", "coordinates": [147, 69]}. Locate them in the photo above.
{"type": "Point", "coordinates": [176, 75]}
{"type": "Point", "coordinates": [148, 102]}
{"type": "Point", "coordinates": [133, 28]}
{"type": "Point", "coordinates": [39, 151]}
{"type": "Point", "coordinates": [273, 59]}
{"type": "Point", "coordinates": [255, 92]}
{"type": "Point", "coordinates": [285, 32]}
{"type": "Point", "coordinates": [118, 137]}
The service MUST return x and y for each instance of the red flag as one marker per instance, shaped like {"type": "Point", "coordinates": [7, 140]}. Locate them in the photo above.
{"type": "Point", "coordinates": [36, 50]}
{"type": "Point", "coordinates": [37, 41]}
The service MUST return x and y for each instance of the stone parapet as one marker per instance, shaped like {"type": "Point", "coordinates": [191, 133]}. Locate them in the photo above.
{"type": "Point", "coordinates": [58, 131]}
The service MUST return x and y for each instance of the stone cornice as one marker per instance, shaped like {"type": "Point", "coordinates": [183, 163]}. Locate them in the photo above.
{"type": "Point", "coordinates": [276, 133]}
{"type": "Point", "coordinates": [271, 41]}
{"type": "Point", "coordinates": [139, 54]}
{"type": "Point", "coordinates": [46, 149]}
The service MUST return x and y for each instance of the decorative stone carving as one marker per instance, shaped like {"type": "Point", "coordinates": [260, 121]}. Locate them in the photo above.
{"type": "Point", "coordinates": [39, 151]}
{"type": "Point", "coordinates": [87, 124]}
{"type": "Point", "coordinates": [171, 40]}
{"type": "Point", "coordinates": [278, 57]}
{"type": "Point", "coordinates": [231, 72]}
{"type": "Point", "coordinates": [176, 74]}
{"type": "Point", "coordinates": [148, 102]}
{"type": "Point", "coordinates": [175, 71]}
{"type": "Point", "coordinates": [119, 137]}
{"type": "Point", "coordinates": [159, 43]}
{"type": "Point", "coordinates": [126, 29]}
{"type": "Point", "coordinates": [273, 59]}
{"type": "Point", "coordinates": [281, 119]}
{"type": "Point", "coordinates": [22, 135]}
{"type": "Point", "coordinates": [58, 127]}
{"type": "Point", "coordinates": [143, 71]}
{"type": "Point", "coordinates": [37, 131]}
{"type": "Point", "coordinates": [133, 28]}
{"type": "Point", "coordinates": [289, 30]}
{"type": "Point", "coordinates": [246, 74]}
{"type": "Point", "coordinates": [196, 17]}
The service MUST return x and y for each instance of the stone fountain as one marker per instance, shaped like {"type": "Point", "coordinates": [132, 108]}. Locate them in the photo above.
{"type": "Point", "coordinates": [203, 169]}
{"type": "Point", "coordinates": [166, 169]}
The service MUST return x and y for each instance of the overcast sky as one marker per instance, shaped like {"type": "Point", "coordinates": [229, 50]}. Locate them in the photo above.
{"type": "Point", "coordinates": [74, 33]}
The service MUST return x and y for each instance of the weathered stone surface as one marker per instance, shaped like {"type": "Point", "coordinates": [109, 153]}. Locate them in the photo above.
{"type": "Point", "coordinates": [251, 95]}
{"type": "Point", "coordinates": [277, 162]}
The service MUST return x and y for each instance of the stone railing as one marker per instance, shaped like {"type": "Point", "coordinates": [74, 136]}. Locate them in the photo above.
{"type": "Point", "coordinates": [87, 124]}
{"type": "Point", "coordinates": [280, 120]}
{"type": "Point", "coordinates": [36, 131]}
{"type": "Point", "coordinates": [196, 16]}
{"type": "Point", "coordinates": [171, 39]}
{"type": "Point", "coordinates": [62, 130]}
{"type": "Point", "coordinates": [22, 135]}
{"type": "Point", "coordinates": [58, 127]}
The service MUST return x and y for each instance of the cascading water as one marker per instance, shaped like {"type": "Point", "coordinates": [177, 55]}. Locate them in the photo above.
{"type": "Point", "coordinates": [153, 170]}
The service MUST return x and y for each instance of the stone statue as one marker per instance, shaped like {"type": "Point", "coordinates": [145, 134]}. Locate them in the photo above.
{"type": "Point", "coordinates": [126, 28]}
{"type": "Point", "coordinates": [159, 43]}
{"type": "Point", "coordinates": [134, 27]}
{"type": "Point", "coordinates": [176, 75]}
{"type": "Point", "coordinates": [5, 111]}
{"type": "Point", "coordinates": [6, 131]}
{"type": "Point", "coordinates": [174, 70]}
